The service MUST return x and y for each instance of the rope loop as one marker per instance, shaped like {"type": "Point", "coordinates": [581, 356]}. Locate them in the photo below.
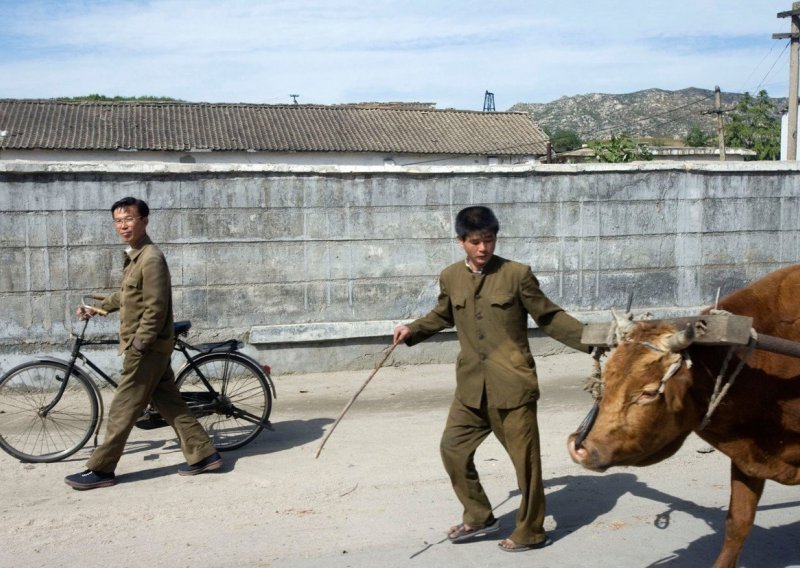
{"type": "Point", "coordinates": [721, 387]}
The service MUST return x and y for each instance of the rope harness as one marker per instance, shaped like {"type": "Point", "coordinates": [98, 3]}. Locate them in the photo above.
{"type": "Point", "coordinates": [595, 384]}
{"type": "Point", "coordinates": [720, 389]}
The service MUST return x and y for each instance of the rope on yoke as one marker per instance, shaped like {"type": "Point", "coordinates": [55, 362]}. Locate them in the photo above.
{"type": "Point", "coordinates": [721, 390]}
{"type": "Point", "coordinates": [594, 382]}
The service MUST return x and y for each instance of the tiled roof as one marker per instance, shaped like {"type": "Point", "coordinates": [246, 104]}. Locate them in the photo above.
{"type": "Point", "coordinates": [178, 126]}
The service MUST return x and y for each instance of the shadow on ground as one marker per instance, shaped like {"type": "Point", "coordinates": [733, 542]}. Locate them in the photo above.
{"type": "Point", "coordinates": [576, 501]}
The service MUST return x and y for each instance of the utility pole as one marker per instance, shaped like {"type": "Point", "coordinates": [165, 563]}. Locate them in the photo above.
{"type": "Point", "coordinates": [720, 129]}
{"type": "Point", "coordinates": [294, 98]}
{"type": "Point", "coordinates": [718, 110]}
{"type": "Point", "coordinates": [794, 52]}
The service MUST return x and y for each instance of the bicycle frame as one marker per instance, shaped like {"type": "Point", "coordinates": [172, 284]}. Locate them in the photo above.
{"type": "Point", "coordinates": [181, 346]}
{"type": "Point", "coordinates": [72, 368]}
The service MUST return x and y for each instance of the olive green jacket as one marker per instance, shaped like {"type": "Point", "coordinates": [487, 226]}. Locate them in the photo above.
{"type": "Point", "coordinates": [490, 312]}
{"type": "Point", "coordinates": [144, 300]}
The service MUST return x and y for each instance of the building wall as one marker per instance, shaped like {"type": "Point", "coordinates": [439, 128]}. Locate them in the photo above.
{"type": "Point", "coordinates": [313, 266]}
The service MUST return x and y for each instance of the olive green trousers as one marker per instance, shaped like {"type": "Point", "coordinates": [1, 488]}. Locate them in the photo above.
{"type": "Point", "coordinates": [518, 432]}
{"type": "Point", "coordinates": [148, 376]}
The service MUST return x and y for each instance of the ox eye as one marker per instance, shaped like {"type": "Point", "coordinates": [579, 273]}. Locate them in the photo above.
{"type": "Point", "coordinates": [648, 394]}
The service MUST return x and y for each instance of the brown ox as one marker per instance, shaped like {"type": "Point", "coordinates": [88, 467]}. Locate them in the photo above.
{"type": "Point", "coordinates": [757, 423]}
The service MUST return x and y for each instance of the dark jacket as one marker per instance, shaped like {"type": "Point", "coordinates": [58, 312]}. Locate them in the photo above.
{"type": "Point", "coordinates": [144, 300]}
{"type": "Point", "coordinates": [490, 313]}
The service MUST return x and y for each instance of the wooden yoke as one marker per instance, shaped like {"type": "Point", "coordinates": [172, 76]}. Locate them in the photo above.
{"type": "Point", "coordinates": [721, 329]}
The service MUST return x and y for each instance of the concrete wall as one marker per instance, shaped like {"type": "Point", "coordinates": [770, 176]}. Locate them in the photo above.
{"type": "Point", "coordinates": [313, 266]}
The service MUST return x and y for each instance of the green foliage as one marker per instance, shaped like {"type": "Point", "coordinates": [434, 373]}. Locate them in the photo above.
{"type": "Point", "coordinates": [755, 124]}
{"type": "Point", "coordinates": [696, 137]}
{"type": "Point", "coordinates": [620, 148]}
{"type": "Point", "coordinates": [565, 140]}
{"type": "Point", "coordinates": [102, 98]}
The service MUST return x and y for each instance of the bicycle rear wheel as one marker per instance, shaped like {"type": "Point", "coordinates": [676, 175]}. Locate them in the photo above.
{"type": "Point", "coordinates": [28, 432]}
{"type": "Point", "coordinates": [239, 403]}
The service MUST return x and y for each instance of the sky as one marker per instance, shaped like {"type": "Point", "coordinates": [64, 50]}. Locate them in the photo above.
{"type": "Point", "coordinates": [346, 51]}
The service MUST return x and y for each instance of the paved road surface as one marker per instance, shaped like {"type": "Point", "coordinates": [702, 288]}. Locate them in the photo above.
{"type": "Point", "coordinates": [377, 496]}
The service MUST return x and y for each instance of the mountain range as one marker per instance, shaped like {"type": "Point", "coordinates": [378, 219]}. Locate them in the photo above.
{"type": "Point", "coordinates": [652, 113]}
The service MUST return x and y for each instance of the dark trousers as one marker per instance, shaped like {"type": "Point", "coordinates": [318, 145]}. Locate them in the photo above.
{"type": "Point", "coordinates": [148, 376]}
{"type": "Point", "coordinates": [518, 432]}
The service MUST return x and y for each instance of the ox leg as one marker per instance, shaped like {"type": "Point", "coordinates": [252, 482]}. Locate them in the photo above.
{"type": "Point", "coordinates": [745, 493]}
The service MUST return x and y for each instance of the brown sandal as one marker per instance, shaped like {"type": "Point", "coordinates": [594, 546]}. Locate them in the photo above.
{"type": "Point", "coordinates": [460, 532]}
{"type": "Point", "coordinates": [523, 547]}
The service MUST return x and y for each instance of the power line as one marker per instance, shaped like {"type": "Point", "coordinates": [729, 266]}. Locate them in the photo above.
{"type": "Point", "coordinates": [794, 55]}
{"type": "Point", "coordinates": [643, 119]}
{"type": "Point", "coordinates": [780, 56]}
{"type": "Point", "coordinates": [743, 88]}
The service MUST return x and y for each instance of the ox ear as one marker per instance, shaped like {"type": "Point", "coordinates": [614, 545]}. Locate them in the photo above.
{"type": "Point", "coordinates": [675, 391]}
{"type": "Point", "coordinates": [624, 325]}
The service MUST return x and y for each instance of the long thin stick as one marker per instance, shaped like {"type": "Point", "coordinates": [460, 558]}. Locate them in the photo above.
{"type": "Point", "coordinates": [352, 400]}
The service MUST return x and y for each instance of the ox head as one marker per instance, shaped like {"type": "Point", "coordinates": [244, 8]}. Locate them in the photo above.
{"type": "Point", "coordinates": [645, 411]}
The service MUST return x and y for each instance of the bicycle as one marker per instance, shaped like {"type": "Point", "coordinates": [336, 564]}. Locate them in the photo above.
{"type": "Point", "coordinates": [49, 407]}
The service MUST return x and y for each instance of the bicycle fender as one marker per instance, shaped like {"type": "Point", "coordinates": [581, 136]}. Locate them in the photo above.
{"type": "Point", "coordinates": [236, 355]}
{"type": "Point", "coordinates": [260, 368]}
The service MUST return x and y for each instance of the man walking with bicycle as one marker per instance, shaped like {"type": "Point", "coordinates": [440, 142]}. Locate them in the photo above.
{"type": "Point", "coordinates": [146, 341]}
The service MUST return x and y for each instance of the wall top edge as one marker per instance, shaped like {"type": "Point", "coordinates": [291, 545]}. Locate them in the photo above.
{"type": "Point", "coordinates": [161, 168]}
{"type": "Point", "coordinates": [330, 331]}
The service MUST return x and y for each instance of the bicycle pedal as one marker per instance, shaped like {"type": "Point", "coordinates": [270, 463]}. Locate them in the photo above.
{"type": "Point", "coordinates": [150, 423]}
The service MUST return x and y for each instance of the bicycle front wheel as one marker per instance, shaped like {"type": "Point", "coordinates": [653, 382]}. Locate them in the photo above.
{"type": "Point", "coordinates": [29, 429]}
{"type": "Point", "coordinates": [237, 405]}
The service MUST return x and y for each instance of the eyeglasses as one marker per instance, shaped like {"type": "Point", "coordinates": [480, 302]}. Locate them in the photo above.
{"type": "Point", "coordinates": [125, 220]}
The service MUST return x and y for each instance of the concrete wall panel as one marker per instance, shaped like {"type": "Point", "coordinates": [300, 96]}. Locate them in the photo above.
{"type": "Point", "coordinates": [287, 253]}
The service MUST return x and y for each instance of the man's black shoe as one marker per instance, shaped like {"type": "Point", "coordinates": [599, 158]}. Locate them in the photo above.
{"type": "Point", "coordinates": [90, 480]}
{"type": "Point", "coordinates": [150, 422]}
{"type": "Point", "coordinates": [212, 462]}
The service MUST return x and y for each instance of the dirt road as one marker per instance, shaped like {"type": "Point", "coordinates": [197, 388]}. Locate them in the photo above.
{"type": "Point", "coordinates": [377, 495]}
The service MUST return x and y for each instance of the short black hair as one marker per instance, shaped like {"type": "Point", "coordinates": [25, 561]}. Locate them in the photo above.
{"type": "Point", "coordinates": [141, 206]}
{"type": "Point", "coordinates": [476, 218]}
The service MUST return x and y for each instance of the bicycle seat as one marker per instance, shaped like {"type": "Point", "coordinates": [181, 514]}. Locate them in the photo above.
{"type": "Point", "coordinates": [181, 327]}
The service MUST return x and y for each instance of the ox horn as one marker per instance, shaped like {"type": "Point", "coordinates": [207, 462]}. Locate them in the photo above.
{"type": "Point", "coordinates": [682, 339]}
{"type": "Point", "coordinates": [624, 324]}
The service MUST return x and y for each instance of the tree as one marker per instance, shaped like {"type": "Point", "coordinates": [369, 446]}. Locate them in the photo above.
{"type": "Point", "coordinates": [94, 97]}
{"type": "Point", "coordinates": [620, 148]}
{"type": "Point", "coordinates": [755, 124]}
{"type": "Point", "coordinates": [696, 137]}
{"type": "Point", "coordinates": [564, 140]}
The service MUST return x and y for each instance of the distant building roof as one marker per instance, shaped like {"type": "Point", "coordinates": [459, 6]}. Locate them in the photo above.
{"type": "Point", "coordinates": [698, 151]}
{"type": "Point", "coordinates": [180, 126]}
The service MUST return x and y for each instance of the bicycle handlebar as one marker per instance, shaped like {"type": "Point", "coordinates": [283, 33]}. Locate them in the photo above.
{"type": "Point", "coordinates": [87, 306]}
{"type": "Point", "coordinates": [100, 311]}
